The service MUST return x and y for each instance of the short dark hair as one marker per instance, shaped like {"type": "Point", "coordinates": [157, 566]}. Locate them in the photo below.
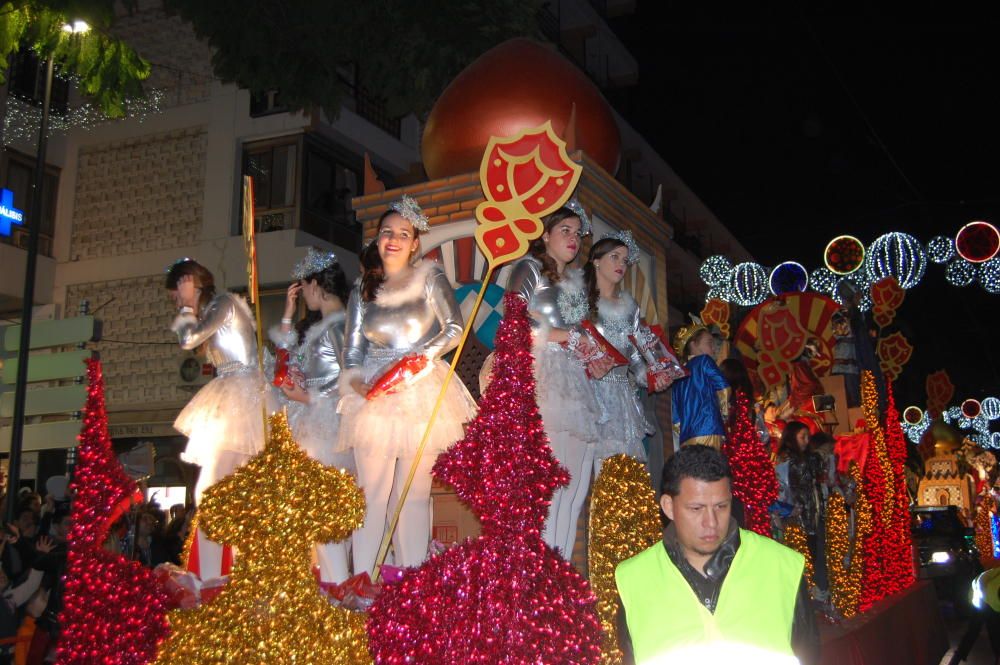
{"type": "Point", "coordinates": [694, 461]}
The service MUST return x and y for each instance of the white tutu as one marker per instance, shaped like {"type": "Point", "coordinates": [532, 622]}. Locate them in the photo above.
{"type": "Point", "coordinates": [225, 415]}
{"type": "Point", "coordinates": [393, 425]}
{"type": "Point", "coordinates": [624, 426]}
{"type": "Point", "coordinates": [565, 397]}
{"type": "Point", "coordinates": [315, 427]}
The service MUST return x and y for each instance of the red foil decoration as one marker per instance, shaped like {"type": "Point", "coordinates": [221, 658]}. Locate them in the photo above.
{"type": "Point", "coordinates": [754, 481]}
{"type": "Point", "coordinates": [403, 373]}
{"type": "Point", "coordinates": [114, 610]}
{"type": "Point", "coordinates": [504, 597]}
{"type": "Point", "coordinates": [280, 368]}
{"type": "Point", "coordinates": [611, 356]}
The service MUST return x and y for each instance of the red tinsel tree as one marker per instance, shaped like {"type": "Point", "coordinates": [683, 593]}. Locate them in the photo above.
{"type": "Point", "coordinates": [875, 482]}
{"type": "Point", "coordinates": [114, 611]}
{"type": "Point", "coordinates": [899, 555]}
{"type": "Point", "coordinates": [754, 481]}
{"type": "Point", "coordinates": [504, 596]}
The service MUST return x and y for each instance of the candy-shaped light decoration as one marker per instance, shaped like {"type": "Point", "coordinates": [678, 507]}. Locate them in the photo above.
{"type": "Point", "coordinates": [114, 610]}
{"type": "Point", "coordinates": [504, 596]}
{"type": "Point", "coordinates": [960, 272]}
{"type": "Point", "coordinates": [823, 280]}
{"type": "Point", "coordinates": [274, 508]}
{"type": "Point", "coordinates": [723, 293]}
{"type": "Point", "coordinates": [977, 242]}
{"type": "Point", "coordinates": [941, 249]}
{"type": "Point", "coordinates": [624, 520]}
{"type": "Point", "coordinates": [898, 255]}
{"type": "Point", "coordinates": [716, 270]}
{"type": "Point", "coordinates": [788, 277]}
{"type": "Point", "coordinates": [748, 285]}
{"type": "Point", "coordinates": [844, 254]}
{"type": "Point", "coordinates": [989, 275]}
{"type": "Point", "coordinates": [754, 481]}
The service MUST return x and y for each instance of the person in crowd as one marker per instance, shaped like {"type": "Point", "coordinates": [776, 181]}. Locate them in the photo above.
{"type": "Point", "coordinates": [315, 351]}
{"type": "Point", "coordinates": [150, 547]}
{"type": "Point", "coordinates": [701, 400]}
{"type": "Point", "coordinates": [224, 422]}
{"type": "Point", "coordinates": [765, 609]}
{"type": "Point", "coordinates": [616, 316]}
{"type": "Point", "coordinates": [402, 317]}
{"type": "Point", "coordinates": [801, 476]}
{"type": "Point", "coordinates": [557, 302]}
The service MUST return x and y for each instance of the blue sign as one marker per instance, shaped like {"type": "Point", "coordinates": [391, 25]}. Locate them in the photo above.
{"type": "Point", "coordinates": [8, 213]}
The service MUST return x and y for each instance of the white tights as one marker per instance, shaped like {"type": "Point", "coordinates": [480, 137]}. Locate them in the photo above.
{"type": "Point", "coordinates": [567, 502]}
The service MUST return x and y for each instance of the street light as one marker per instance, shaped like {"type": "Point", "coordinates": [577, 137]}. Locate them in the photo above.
{"type": "Point", "coordinates": [35, 222]}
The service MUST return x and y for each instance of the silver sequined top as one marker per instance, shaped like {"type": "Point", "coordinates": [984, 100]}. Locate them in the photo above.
{"type": "Point", "coordinates": [421, 316]}
{"type": "Point", "coordinates": [319, 354]}
{"type": "Point", "coordinates": [226, 328]}
{"type": "Point", "coordinates": [562, 305]}
{"type": "Point", "coordinates": [616, 321]}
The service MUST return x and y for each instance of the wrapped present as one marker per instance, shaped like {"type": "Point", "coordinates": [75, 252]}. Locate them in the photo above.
{"type": "Point", "coordinates": [405, 372]}
{"type": "Point", "coordinates": [280, 368]}
{"type": "Point", "coordinates": [662, 366]}
{"type": "Point", "coordinates": [355, 593]}
{"type": "Point", "coordinates": [183, 587]}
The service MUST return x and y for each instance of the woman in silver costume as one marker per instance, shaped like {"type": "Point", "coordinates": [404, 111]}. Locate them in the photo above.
{"type": "Point", "coordinates": [315, 350]}
{"type": "Point", "coordinates": [224, 422]}
{"type": "Point", "coordinates": [557, 301]}
{"type": "Point", "coordinates": [616, 315]}
{"type": "Point", "coordinates": [399, 308]}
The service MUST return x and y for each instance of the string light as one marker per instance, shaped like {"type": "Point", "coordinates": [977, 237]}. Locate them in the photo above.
{"type": "Point", "coordinates": [795, 538]}
{"type": "Point", "coordinates": [114, 610]}
{"type": "Point", "coordinates": [716, 270]}
{"type": "Point", "coordinates": [823, 280]}
{"type": "Point", "coordinates": [981, 424]}
{"type": "Point", "coordinates": [754, 481]}
{"type": "Point", "coordinates": [839, 557]}
{"type": "Point", "coordinates": [940, 249]}
{"type": "Point", "coordinates": [984, 533]}
{"type": "Point", "coordinates": [991, 408]}
{"type": "Point", "coordinates": [896, 255]}
{"type": "Point", "coordinates": [898, 553]}
{"type": "Point", "coordinates": [877, 484]}
{"type": "Point", "coordinates": [21, 119]}
{"type": "Point", "coordinates": [960, 272]}
{"type": "Point", "coordinates": [624, 520]}
{"type": "Point", "coordinates": [989, 276]}
{"type": "Point", "coordinates": [719, 293]}
{"type": "Point", "coordinates": [273, 509]}
{"type": "Point", "coordinates": [504, 596]}
{"type": "Point", "coordinates": [748, 285]}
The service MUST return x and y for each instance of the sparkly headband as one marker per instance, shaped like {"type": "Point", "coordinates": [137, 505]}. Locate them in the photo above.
{"type": "Point", "coordinates": [408, 208]}
{"type": "Point", "coordinates": [574, 205]}
{"type": "Point", "coordinates": [314, 262]}
{"type": "Point", "coordinates": [683, 335]}
{"type": "Point", "coordinates": [625, 237]}
{"type": "Point", "coordinates": [183, 259]}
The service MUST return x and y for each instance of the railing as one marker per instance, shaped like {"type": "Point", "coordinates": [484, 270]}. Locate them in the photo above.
{"type": "Point", "coordinates": [19, 238]}
{"type": "Point", "coordinates": [373, 110]}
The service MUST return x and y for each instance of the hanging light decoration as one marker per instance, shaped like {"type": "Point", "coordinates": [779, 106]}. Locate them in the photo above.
{"type": "Point", "coordinates": [719, 293]}
{"type": "Point", "coordinates": [981, 424]}
{"type": "Point", "coordinates": [995, 440]}
{"type": "Point", "coordinates": [989, 275]}
{"type": "Point", "coordinates": [788, 277]}
{"type": "Point", "coordinates": [963, 422]}
{"type": "Point", "coordinates": [991, 408]}
{"type": "Point", "coordinates": [971, 408]}
{"type": "Point", "coordinates": [844, 254]}
{"type": "Point", "coordinates": [912, 415]}
{"type": "Point", "coordinates": [896, 255]}
{"type": "Point", "coordinates": [749, 284]}
{"type": "Point", "coordinates": [823, 280]}
{"type": "Point", "coordinates": [716, 270]}
{"type": "Point", "coordinates": [960, 272]}
{"type": "Point", "coordinates": [977, 242]}
{"type": "Point", "coordinates": [941, 249]}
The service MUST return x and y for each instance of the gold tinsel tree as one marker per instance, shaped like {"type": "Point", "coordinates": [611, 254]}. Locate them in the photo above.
{"type": "Point", "coordinates": [845, 578]}
{"type": "Point", "coordinates": [273, 510]}
{"type": "Point", "coordinates": [795, 538]}
{"type": "Point", "coordinates": [624, 520]}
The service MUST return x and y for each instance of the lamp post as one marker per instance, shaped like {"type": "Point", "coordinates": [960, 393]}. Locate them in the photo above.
{"type": "Point", "coordinates": [28, 297]}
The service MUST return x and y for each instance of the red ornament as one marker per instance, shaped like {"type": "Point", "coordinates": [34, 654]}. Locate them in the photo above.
{"type": "Point", "coordinates": [754, 482]}
{"type": "Point", "coordinates": [504, 596]}
{"type": "Point", "coordinates": [971, 408]}
{"type": "Point", "coordinates": [977, 242]}
{"type": "Point", "coordinates": [280, 368]}
{"type": "Point", "coordinates": [844, 255]}
{"type": "Point", "coordinates": [114, 610]}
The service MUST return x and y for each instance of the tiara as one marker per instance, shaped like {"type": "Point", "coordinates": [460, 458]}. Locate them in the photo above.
{"type": "Point", "coordinates": [315, 261]}
{"type": "Point", "coordinates": [578, 210]}
{"type": "Point", "coordinates": [625, 237]}
{"type": "Point", "coordinates": [684, 335]}
{"type": "Point", "coordinates": [183, 259]}
{"type": "Point", "coordinates": [410, 210]}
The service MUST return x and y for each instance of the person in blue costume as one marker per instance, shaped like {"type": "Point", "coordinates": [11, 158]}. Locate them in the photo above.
{"type": "Point", "coordinates": [701, 400]}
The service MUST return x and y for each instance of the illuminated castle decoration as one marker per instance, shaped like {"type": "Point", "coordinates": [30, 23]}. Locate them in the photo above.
{"type": "Point", "coordinates": [943, 484]}
{"type": "Point", "coordinates": [516, 86]}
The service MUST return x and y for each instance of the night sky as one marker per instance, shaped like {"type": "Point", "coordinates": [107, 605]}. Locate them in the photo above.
{"type": "Point", "coordinates": [795, 126]}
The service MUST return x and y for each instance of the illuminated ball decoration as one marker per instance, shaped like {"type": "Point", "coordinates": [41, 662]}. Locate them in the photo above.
{"type": "Point", "coordinates": [971, 408]}
{"type": "Point", "coordinates": [716, 270]}
{"type": "Point", "coordinates": [749, 284]}
{"type": "Point", "coordinates": [977, 242]}
{"type": "Point", "coordinates": [995, 440]}
{"type": "Point", "coordinates": [823, 280]}
{"type": "Point", "coordinates": [989, 275]}
{"type": "Point", "coordinates": [719, 293]}
{"type": "Point", "coordinates": [960, 272]}
{"type": "Point", "coordinates": [898, 255]}
{"type": "Point", "coordinates": [913, 415]}
{"type": "Point", "coordinates": [941, 249]}
{"type": "Point", "coordinates": [991, 408]}
{"type": "Point", "coordinates": [788, 277]}
{"type": "Point", "coordinates": [844, 254]}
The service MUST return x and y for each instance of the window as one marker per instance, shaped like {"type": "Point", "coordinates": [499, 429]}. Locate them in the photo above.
{"type": "Point", "coordinates": [274, 168]}
{"type": "Point", "coordinates": [18, 177]}
{"type": "Point", "coordinates": [27, 82]}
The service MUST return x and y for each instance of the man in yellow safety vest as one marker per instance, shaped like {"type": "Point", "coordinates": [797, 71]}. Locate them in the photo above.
{"type": "Point", "coordinates": [710, 589]}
